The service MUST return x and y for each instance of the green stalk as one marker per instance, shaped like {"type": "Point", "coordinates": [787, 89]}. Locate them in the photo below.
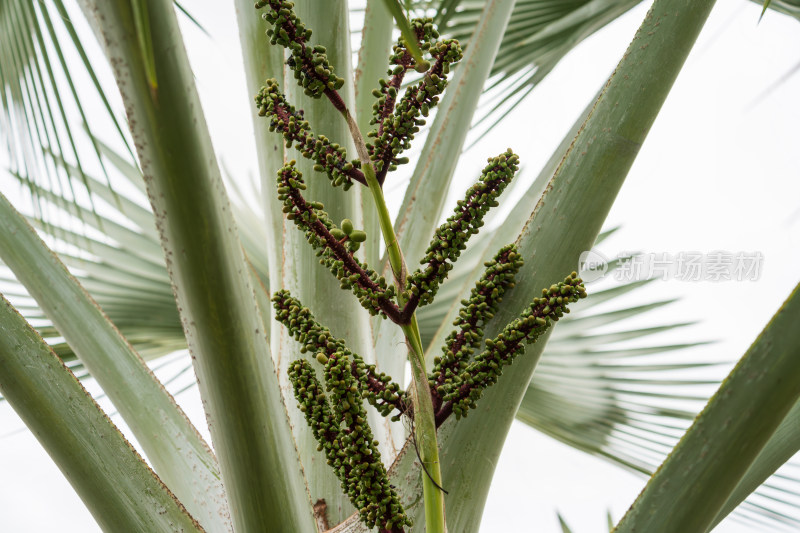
{"type": "Point", "coordinates": [376, 45]}
{"type": "Point", "coordinates": [409, 37]}
{"type": "Point", "coordinates": [424, 421]}
{"type": "Point", "coordinates": [262, 61]}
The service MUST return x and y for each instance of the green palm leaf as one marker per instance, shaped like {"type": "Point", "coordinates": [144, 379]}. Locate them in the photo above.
{"type": "Point", "coordinates": [540, 33]}
{"type": "Point", "coordinates": [727, 440]}
{"type": "Point", "coordinates": [113, 480]}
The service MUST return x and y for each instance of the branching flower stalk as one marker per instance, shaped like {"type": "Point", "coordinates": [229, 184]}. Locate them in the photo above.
{"type": "Point", "coordinates": [335, 412]}
{"type": "Point", "coordinates": [424, 416]}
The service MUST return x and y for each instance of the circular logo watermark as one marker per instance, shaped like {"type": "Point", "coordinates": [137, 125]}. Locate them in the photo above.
{"type": "Point", "coordinates": [592, 265]}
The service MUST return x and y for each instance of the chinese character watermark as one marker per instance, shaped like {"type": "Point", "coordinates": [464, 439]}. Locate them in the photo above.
{"type": "Point", "coordinates": [714, 266]}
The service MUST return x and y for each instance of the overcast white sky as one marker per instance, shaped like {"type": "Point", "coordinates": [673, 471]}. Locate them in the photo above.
{"type": "Point", "coordinates": [719, 171]}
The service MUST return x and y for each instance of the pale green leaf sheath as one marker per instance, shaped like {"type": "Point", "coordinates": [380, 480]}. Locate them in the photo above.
{"type": "Point", "coordinates": [117, 486]}
{"type": "Point", "coordinates": [263, 61]}
{"type": "Point", "coordinates": [169, 440]}
{"type": "Point", "coordinates": [223, 326]}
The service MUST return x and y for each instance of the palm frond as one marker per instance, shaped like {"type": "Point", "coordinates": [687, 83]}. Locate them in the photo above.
{"type": "Point", "coordinates": [117, 257]}
{"type": "Point", "coordinates": [787, 7]}
{"type": "Point", "coordinates": [750, 410]}
{"type": "Point", "coordinates": [44, 60]}
{"type": "Point", "coordinates": [39, 96]}
{"type": "Point", "coordinates": [540, 33]}
{"type": "Point", "coordinates": [599, 390]}
{"type": "Point", "coordinates": [587, 391]}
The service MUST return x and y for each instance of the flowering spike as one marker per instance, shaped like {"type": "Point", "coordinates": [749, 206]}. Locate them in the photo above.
{"type": "Point", "coordinates": [396, 127]}
{"type": "Point", "coordinates": [402, 61]}
{"type": "Point", "coordinates": [378, 388]}
{"type": "Point", "coordinates": [284, 118]}
{"type": "Point", "coordinates": [358, 461]}
{"type": "Point", "coordinates": [451, 237]}
{"type": "Point", "coordinates": [313, 403]}
{"type": "Point", "coordinates": [350, 450]}
{"type": "Point", "coordinates": [461, 394]}
{"type": "Point", "coordinates": [475, 312]}
{"type": "Point", "coordinates": [333, 246]}
{"type": "Point", "coordinates": [310, 64]}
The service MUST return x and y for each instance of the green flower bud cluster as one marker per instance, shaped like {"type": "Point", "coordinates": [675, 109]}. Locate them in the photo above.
{"type": "Point", "coordinates": [345, 437]}
{"type": "Point", "coordinates": [378, 388]}
{"type": "Point", "coordinates": [334, 246]}
{"type": "Point", "coordinates": [475, 312]}
{"type": "Point", "coordinates": [451, 237]}
{"type": "Point", "coordinates": [396, 129]}
{"type": "Point", "coordinates": [461, 394]}
{"type": "Point", "coordinates": [310, 64]}
{"type": "Point", "coordinates": [367, 484]}
{"type": "Point", "coordinates": [314, 404]}
{"type": "Point", "coordinates": [329, 157]}
{"type": "Point", "coordinates": [401, 61]}
{"type": "Point", "coordinates": [346, 232]}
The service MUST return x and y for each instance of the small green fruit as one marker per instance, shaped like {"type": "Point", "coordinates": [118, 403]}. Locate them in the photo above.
{"type": "Point", "coordinates": [347, 226]}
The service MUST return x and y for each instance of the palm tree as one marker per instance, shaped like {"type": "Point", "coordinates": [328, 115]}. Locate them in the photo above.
{"type": "Point", "coordinates": [266, 473]}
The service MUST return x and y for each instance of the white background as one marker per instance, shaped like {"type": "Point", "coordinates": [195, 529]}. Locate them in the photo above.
{"type": "Point", "coordinates": [719, 171]}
